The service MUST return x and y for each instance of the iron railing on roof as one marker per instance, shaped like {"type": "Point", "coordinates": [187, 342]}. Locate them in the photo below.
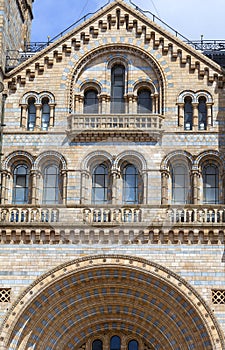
{"type": "Point", "coordinates": [15, 57]}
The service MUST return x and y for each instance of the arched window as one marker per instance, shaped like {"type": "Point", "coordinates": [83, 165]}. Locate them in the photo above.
{"type": "Point", "coordinates": [180, 184]}
{"type": "Point", "coordinates": [100, 184]}
{"type": "Point", "coordinates": [20, 184]}
{"type": "Point", "coordinates": [115, 343]}
{"type": "Point", "coordinates": [31, 114]}
{"type": "Point", "coordinates": [97, 345]}
{"type": "Point", "coordinates": [133, 345]}
{"type": "Point", "coordinates": [188, 113]}
{"type": "Point", "coordinates": [202, 113]}
{"type": "Point", "coordinates": [210, 184]}
{"type": "Point", "coordinates": [144, 101]}
{"type": "Point", "coordinates": [51, 192]}
{"type": "Point", "coordinates": [45, 117]}
{"type": "Point", "coordinates": [132, 185]}
{"type": "Point", "coordinates": [117, 89]}
{"type": "Point", "coordinates": [91, 101]}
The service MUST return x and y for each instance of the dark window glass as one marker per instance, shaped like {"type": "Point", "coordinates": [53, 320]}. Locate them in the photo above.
{"type": "Point", "coordinates": [91, 102]}
{"type": "Point", "coordinates": [130, 184]}
{"type": "Point", "coordinates": [133, 345]}
{"type": "Point", "coordinates": [115, 343]}
{"type": "Point", "coordinates": [45, 118]}
{"type": "Point", "coordinates": [100, 184]}
{"type": "Point", "coordinates": [20, 184]}
{"type": "Point", "coordinates": [51, 185]}
{"type": "Point", "coordinates": [144, 101]}
{"type": "Point", "coordinates": [202, 113]}
{"type": "Point", "coordinates": [31, 114]}
{"type": "Point", "coordinates": [117, 89]}
{"type": "Point", "coordinates": [97, 345]}
{"type": "Point", "coordinates": [180, 184]}
{"type": "Point", "coordinates": [211, 184]}
{"type": "Point", "coordinates": [188, 113]}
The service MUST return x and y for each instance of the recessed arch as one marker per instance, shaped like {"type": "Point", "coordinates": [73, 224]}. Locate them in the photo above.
{"type": "Point", "coordinates": [50, 155]}
{"type": "Point", "coordinates": [175, 156]}
{"type": "Point", "coordinates": [94, 158]}
{"type": "Point", "coordinates": [121, 51]}
{"type": "Point", "coordinates": [83, 297]}
{"type": "Point", "coordinates": [16, 157]}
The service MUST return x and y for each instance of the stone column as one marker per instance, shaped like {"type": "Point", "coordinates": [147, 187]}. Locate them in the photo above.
{"type": "Point", "coordinates": [195, 186]}
{"type": "Point", "coordinates": [209, 114]}
{"type": "Point", "coordinates": [38, 116]}
{"type": "Point", "coordinates": [33, 175]}
{"type": "Point", "coordinates": [164, 184]}
{"type": "Point", "coordinates": [181, 114]}
{"type": "Point", "coordinates": [129, 100]}
{"type": "Point", "coordinates": [64, 186]}
{"type": "Point", "coordinates": [155, 103]}
{"type": "Point", "coordinates": [52, 110]}
{"type": "Point", "coordinates": [115, 174]}
{"type": "Point", "coordinates": [76, 103]}
{"type": "Point", "coordinates": [145, 187]}
{"type": "Point", "coordinates": [4, 194]}
{"type": "Point", "coordinates": [195, 115]}
{"type": "Point", "coordinates": [24, 109]}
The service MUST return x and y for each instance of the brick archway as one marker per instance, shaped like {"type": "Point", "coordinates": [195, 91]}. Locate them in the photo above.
{"type": "Point", "coordinates": [71, 304]}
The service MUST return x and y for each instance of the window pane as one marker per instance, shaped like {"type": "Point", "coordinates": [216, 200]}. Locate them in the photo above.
{"type": "Point", "coordinates": [211, 184]}
{"type": "Point", "coordinates": [20, 184]}
{"type": "Point", "coordinates": [45, 118]}
{"type": "Point", "coordinates": [202, 113]}
{"type": "Point", "coordinates": [188, 113]}
{"type": "Point", "coordinates": [180, 184]}
{"type": "Point", "coordinates": [91, 102]}
{"type": "Point", "coordinates": [115, 343]}
{"type": "Point", "coordinates": [144, 101]}
{"type": "Point", "coordinates": [97, 345]}
{"type": "Point", "coordinates": [133, 345]}
{"type": "Point", "coordinates": [117, 89]}
{"type": "Point", "coordinates": [100, 184]}
{"type": "Point", "coordinates": [130, 184]}
{"type": "Point", "coordinates": [51, 185]}
{"type": "Point", "coordinates": [31, 114]}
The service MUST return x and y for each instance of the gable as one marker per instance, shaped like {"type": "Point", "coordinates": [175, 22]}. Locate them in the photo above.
{"type": "Point", "coordinates": [116, 24]}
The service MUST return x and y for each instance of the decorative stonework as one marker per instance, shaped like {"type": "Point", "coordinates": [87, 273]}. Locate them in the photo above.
{"type": "Point", "coordinates": [155, 288]}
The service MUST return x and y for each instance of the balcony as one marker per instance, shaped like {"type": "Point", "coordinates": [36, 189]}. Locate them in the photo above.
{"type": "Point", "coordinates": [112, 224]}
{"type": "Point", "coordinates": [132, 127]}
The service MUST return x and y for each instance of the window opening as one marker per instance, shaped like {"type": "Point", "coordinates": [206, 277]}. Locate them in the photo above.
{"type": "Point", "coordinates": [180, 184]}
{"type": "Point", "coordinates": [188, 113]}
{"type": "Point", "coordinates": [31, 114]}
{"type": "Point", "coordinates": [144, 101]}
{"type": "Point", "coordinates": [202, 113]}
{"type": "Point", "coordinates": [45, 118]}
{"type": "Point", "coordinates": [211, 184]}
{"type": "Point", "coordinates": [20, 184]}
{"type": "Point", "coordinates": [100, 184]}
{"type": "Point", "coordinates": [117, 89]}
{"type": "Point", "coordinates": [91, 102]}
{"type": "Point", "coordinates": [51, 185]}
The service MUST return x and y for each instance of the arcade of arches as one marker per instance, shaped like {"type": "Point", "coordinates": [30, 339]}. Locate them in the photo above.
{"type": "Point", "coordinates": [110, 302]}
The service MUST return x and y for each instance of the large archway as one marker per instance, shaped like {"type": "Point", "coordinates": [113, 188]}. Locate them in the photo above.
{"type": "Point", "coordinates": [101, 296]}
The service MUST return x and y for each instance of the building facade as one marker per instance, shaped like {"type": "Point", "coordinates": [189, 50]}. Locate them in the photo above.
{"type": "Point", "coordinates": [112, 192]}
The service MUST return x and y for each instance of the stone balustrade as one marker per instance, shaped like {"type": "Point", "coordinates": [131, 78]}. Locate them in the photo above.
{"type": "Point", "coordinates": [203, 214]}
{"type": "Point", "coordinates": [139, 215]}
{"type": "Point", "coordinates": [132, 125]}
{"type": "Point", "coordinates": [28, 215]}
{"type": "Point", "coordinates": [112, 215]}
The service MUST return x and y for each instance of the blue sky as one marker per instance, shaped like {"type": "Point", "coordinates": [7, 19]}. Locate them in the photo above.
{"type": "Point", "coordinates": [192, 18]}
